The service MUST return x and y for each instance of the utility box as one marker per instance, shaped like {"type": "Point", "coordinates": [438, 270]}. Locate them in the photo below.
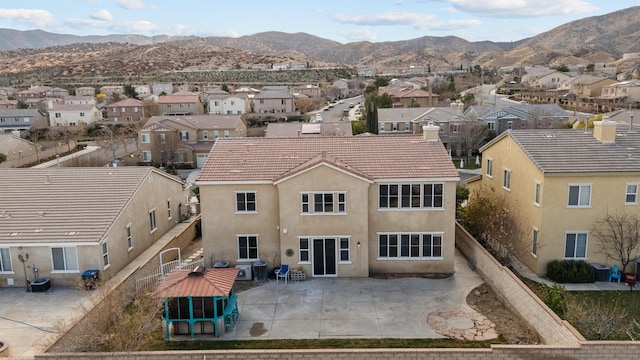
{"type": "Point", "coordinates": [90, 279]}
{"type": "Point", "coordinates": [601, 271]}
{"type": "Point", "coordinates": [260, 270]}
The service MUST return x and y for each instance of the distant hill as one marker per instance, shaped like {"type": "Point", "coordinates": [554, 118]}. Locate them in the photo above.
{"type": "Point", "coordinates": [595, 39]}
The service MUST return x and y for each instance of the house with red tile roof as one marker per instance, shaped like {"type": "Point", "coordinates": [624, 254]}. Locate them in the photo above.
{"type": "Point", "coordinates": [331, 206]}
{"type": "Point", "coordinates": [409, 96]}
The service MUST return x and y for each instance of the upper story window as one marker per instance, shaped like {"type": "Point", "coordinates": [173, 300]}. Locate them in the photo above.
{"type": "Point", "coordinates": [491, 125]}
{"type": "Point", "coordinates": [536, 196]}
{"type": "Point", "coordinates": [105, 254]}
{"type": "Point", "coordinates": [631, 196]}
{"type": "Point", "coordinates": [579, 195]}
{"type": "Point", "coordinates": [152, 221]}
{"type": "Point", "coordinates": [216, 134]}
{"type": "Point", "coordinates": [489, 167]}
{"type": "Point", "coordinates": [323, 202]}
{"type": "Point", "coordinates": [246, 201]}
{"type": "Point", "coordinates": [205, 135]}
{"type": "Point", "coordinates": [163, 139]}
{"type": "Point", "coordinates": [407, 196]}
{"type": "Point", "coordinates": [506, 179]}
{"type": "Point", "coordinates": [129, 237]}
{"type": "Point", "coordinates": [184, 135]}
{"type": "Point", "coordinates": [226, 133]}
{"type": "Point", "coordinates": [145, 138]}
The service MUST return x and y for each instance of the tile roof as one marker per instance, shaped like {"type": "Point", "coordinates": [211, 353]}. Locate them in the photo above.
{"type": "Point", "coordinates": [203, 122]}
{"type": "Point", "coordinates": [65, 204]}
{"type": "Point", "coordinates": [18, 112]}
{"type": "Point", "coordinates": [178, 99]}
{"type": "Point", "coordinates": [125, 103]}
{"type": "Point", "coordinates": [574, 151]}
{"type": "Point", "coordinates": [213, 282]}
{"type": "Point", "coordinates": [378, 157]}
{"type": "Point", "coordinates": [307, 129]}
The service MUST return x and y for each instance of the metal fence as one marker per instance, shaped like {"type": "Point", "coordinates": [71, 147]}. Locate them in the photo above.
{"type": "Point", "coordinates": [150, 283]}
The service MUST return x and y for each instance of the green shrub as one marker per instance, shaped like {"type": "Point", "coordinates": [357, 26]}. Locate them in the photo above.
{"type": "Point", "coordinates": [570, 271]}
{"type": "Point", "coordinates": [556, 298]}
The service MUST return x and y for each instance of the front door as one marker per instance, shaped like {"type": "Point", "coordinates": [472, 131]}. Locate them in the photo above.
{"type": "Point", "coordinates": [324, 257]}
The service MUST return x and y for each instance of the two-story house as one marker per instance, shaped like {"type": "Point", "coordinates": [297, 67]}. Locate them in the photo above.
{"type": "Point", "coordinates": [225, 103]}
{"type": "Point", "coordinates": [124, 110]}
{"type": "Point", "coordinates": [409, 96]}
{"type": "Point", "coordinates": [73, 115]}
{"type": "Point", "coordinates": [21, 119]}
{"type": "Point", "coordinates": [186, 139]}
{"type": "Point", "coordinates": [111, 90]}
{"type": "Point", "coordinates": [560, 183]}
{"type": "Point", "coordinates": [624, 91]}
{"type": "Point", "coordinates": [85, 91]}
{"type": "Point", "coordinates": [589, 86]}
{"type": "Point", "coordinates": [500, 118]}
{"type": "Point", "coordinates": [273, 101]}
{"type": "Point", "coordinates": [77, 219]}
{"type": "Point", "coordinates": [327, 206]}
{"type": "Point", "coordinates": [182, 103]}
{"type": "Point", "coordinates": [162, 88]}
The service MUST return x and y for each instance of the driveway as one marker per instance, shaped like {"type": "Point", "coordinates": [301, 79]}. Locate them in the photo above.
{"type": "Point", "coordinates": [355, 307]}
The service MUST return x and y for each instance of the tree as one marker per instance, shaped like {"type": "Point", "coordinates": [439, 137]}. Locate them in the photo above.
{"type": "Point", "coordinates": [3, 158]}
{"type": "Point", "coordinates": [381, 81]}
{"type": "Point", "coordinates": [22, 105]}
{"type": "Point", "coordinates": [562, 68]}
{"type": "Point", "coordinates": [618, 235]}
{"type": "Point", "coordinates": [467, 99]}
{"type": "Point", "coordinates": [472, 136]}
{"type": "Point", "coordinates": [384, 101]}
{"type": "Point", "coordinates": [591, 67]}
{"type": "Point", "coordinates": [150, 108]}
{"type": "Point", "coordinates": [371, 113]}
{"type": "Point", "coordinates": [224, 88]}
{"type": "Point", "coordinates": [357, 127]}
{"type": "Point", "coordinates": [130, 91]}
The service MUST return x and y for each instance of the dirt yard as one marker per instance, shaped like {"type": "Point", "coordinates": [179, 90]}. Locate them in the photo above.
{"type": "Point", "coordinates": [484, 300]}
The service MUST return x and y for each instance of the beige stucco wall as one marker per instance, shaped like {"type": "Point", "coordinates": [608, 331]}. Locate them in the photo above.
{"type": "Point", "coordinates": [553, 218]}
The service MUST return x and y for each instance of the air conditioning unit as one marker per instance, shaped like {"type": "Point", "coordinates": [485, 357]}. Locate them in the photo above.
{"type": "Point", "coordinates": [245, 272]}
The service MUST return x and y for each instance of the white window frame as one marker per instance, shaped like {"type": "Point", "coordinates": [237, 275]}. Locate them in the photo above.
{"type": "Point", "coordinates": [506, 179]}
{"type": "Point", "coordinates": [129, 233]}
{"type": "Point", "coordinates": [68, 253]}
{"type": "Point", "coordinates": [537, 192]}
{"type": "Point", "coordinates": [226, 133]}
{"type": "Point", "coordinates": [575, 245]}
{"type": "Point", "coordinates": [247, 238]}
{"type": "Point", "coordinates": [304, 251]}
{"type": "Point", "coordinates": [535, 238]}
{"type": "Point", "coordinates": [246, 202]}
{"type": "Point", "coordinates": [395, 244]}
{"type": "Point", "coordinates": [6, 266]}
{"type": "Point", "coordinates": [310, 206]}
{"type": "Point", "coordinates": [146, 156]}
{"type": "Point", "coordinates": [205, 135]}
{"type": "Point", "coordinates": [216, 134]}
{"type": "Point", "coordinates": [491, 125]}
{"type": "Point", "coordinates": [580, 191]}
{"type": "Point", "coordinates": [344, 248]}
{"type": "Point", "coordinates": [169, 209]}
{"type": "Point", "coordinates": [184, 135]}
{"type": "Point", "coordinates": [153, 223]}
{"type": "Point", "coordinates": [145, 138]}
{"type": "Point", "coordinates": [105, 255]}
{"type": "Point", "coordinates": [634, 193]}
{"type": "Point", "coordinates": [431, 196]}
{"type": "Point", "coordinates": [489, 167]}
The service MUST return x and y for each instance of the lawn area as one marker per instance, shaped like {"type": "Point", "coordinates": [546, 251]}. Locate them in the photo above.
{"type": "Point", "coordinates": [469, 165]}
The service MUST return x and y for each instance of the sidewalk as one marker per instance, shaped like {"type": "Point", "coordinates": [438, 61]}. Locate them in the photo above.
{"type": "Point", "coordinates": [60, 160]}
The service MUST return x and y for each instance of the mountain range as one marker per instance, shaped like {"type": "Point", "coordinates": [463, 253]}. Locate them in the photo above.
{"type": "Point", "coordinates": [590, 40]}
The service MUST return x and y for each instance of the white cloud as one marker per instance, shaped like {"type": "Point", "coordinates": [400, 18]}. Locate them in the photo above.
{"type": "Point", "coordinates": [359, 35]}
{"type": "Point", "coordinates": [132, 4]}
{"type": "Point", "coordinates": [521, 8]}
{"type": "Point", "coordinates": [102, 15]}
{"type": "Point", "coordinates": [387, 18]}
{"type": "Point", "coordinates": [35, 17]}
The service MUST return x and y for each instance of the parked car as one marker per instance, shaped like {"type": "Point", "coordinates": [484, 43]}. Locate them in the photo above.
{"type": "Point", "coordinates": [351, 105]}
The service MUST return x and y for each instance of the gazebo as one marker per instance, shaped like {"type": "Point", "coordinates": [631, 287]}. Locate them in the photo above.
{"type": "Point", "coordinates": [199, 301]}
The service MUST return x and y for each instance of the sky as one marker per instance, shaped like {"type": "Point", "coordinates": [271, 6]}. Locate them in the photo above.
{"type": "Point", "coordinates": [344, 21]}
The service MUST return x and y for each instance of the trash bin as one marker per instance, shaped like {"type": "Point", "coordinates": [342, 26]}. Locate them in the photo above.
{"type": "Point", "coordinates": [601, 271]}
{"type": "Point", "coordinates": [221, 265]}
{"type": "Point", "coordinates": [90, 279]}
{"type": "Point", "coordinates": [260, 270]}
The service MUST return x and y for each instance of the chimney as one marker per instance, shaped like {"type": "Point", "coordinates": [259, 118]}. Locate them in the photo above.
{"type": "Point", "coordinates": [605, 130]}
{"type": "Point", "coordinates": [299, 132]}
{"type": "Point", "coordinates": [430, 132]}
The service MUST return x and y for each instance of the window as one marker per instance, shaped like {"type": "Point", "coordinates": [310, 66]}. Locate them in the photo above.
{"type": "Point", "coordinates": [152, 220]}
{"type": "Point", "coordinates": [205, 135]}
{"type": "Point", "coordinates": [5, 260]}
{"type": "Point", "coordinates": [58, 115]}
{"type": "Point", "coordinates": [534, 242]}
{"type": "Point", "coordinates": [135, 109]}
{"type": "Point", "coordinates": [216, 134]}
{"type": "Point", "coordinates": [407, 246]}
{"type": "Point", "coordinates": [247, 247]}
{"type": "Point", "coordinates": [105, 254]}
{"type": "Point", "coordinates": [81, 114]}
{"type": "Point", "coordinates": [410, 196]}
{"type": "Point", "coordinates": [64, 259]}
{"type": "Point", "coordinates": [536, 196]}
{"type": "Point", "coordinates": [579, 195]}
{"type": "Point", "coordinates": [163, 138]}
{"type": "Point", "coordinates": [246, 201]}
{"type": "Point", "coordinates": [489, 167]}
{"type": "Point", "coordinates": [146, 156]}
{"type": "Point", "coordinates": [129, 118]}
{"type": "Point", "coordinates": [304, 250]}
{"type": "Point", "coordinates": [226, 133]}
{"type": "Point", "coordinates": [145, 138]}
{"type": "Point", "coordinates": [455, 128]}
{"type": "Point", "coordinates": [506, 180]}
{"type": "Point", "coordinates": [491, 125]}
{"type": "Point", "coordinates": [509, 125]}
{"type": "Point", "coordinates": [169, 209]}
{"type": "Point", "coordinates": [575, 246]}
{"type": "Point", "coordinates": [129, 237]}
{"type": "Point", "coordinates": [631, 196]}
{"type": "Point", "coordinates": [323, 203]}
{"type": "Point", "coordinates": [184, 135]}
{"type": "Point", "coordinates": [344, 250]}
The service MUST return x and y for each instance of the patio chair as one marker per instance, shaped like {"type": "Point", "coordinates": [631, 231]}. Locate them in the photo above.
{"type": "Point", "coordinates": [283, 272]}
{"type": "Point", "coordinates": [614, 273]}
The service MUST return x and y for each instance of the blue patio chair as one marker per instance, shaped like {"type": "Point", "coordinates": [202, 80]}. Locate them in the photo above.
{"type": "Point", "coordinates": [283, 272]}
{"type": "Point", "coordinates": [614, 273]}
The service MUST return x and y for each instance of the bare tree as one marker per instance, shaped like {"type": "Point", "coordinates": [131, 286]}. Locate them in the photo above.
{"type": "Point", "coordinates": [473, 134]}
{"type": "Point", "coordinates": [597, 321]}
{"type": "Point", "coordinates": [619, 236]}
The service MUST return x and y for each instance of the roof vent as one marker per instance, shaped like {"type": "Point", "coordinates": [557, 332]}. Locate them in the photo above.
{"type": "Point", "coordinates": [198, 271]}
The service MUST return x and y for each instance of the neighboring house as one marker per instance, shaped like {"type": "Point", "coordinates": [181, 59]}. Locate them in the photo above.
{"type": "Point", "coordinates": [342, 87]}
{"type": "Point", "coordinates": [367, 72]}
{"type": "Point", "coordinates": [186, 139]}
{"type": "Point", "coordinates": [15, 147]}
{"type": "Point", "coordinates": [85, 91]}
{"type": "Point", "coordinates": [7, 104]}
{"type": "Point", "coordinates": [73, 115]}
{"type": "Point", "coordinates": [409, 96]}
{"type": "Point", "coordinates": [110, 90]}
{"type": "Point", "coordinates": [506, 117]}
{"type": "Point", "coordinates": [625, 90]}
{"type": "Point", "coordinates": [32, 93]}
{"type": "Point", "coordinates": [79, 100]}
{"type": "Point", "coordinates": [159, 88]}
{"type": "Point", "coordinates": [21, 119]}
{"type": "Point", "coordinates": [273, 101]}
{"type": "Point", "coordinates": [549, 80]}
{"type": "Point", "coordinates": [183, 103]}
{"type": "Point", "coordinates": [57, 92]}
{"type": "Point", "coordinates": [76, 219]}
{"type": "Point", "coordinates": [142, 90]}
{"type": "Point", "coordinates": [220, 103]}
{"type": "Point", "coordinates": [305, 129]}
{"type": "Point", "coordinates": [588, 85]}
{"type": "Point", "coordinates": [310, 90]}
{"type": "Point", "coordinates": [560, 183]}
{"type": "Point", "coordinates": [125, 110]}
{"type": "Point", "coordinates": [331, 206]}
